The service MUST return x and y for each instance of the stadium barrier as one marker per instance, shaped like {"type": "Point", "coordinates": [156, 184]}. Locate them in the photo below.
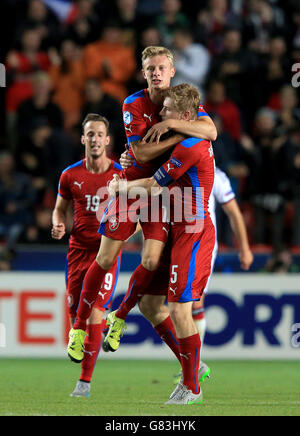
{"type": "Point", "coordinates": [251, 316]}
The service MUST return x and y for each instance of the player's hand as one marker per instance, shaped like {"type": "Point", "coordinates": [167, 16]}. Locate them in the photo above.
{"type": "Point", "coordinates": [58, 231]}
{"type": "Point", "coordinates": [246, 259]}
{"type": "Point", "coordinates": [155, 132]}
{"type": "Point", "coordinates": [113, 187]}
{"type": "Point", "coordinates": [126, 160]}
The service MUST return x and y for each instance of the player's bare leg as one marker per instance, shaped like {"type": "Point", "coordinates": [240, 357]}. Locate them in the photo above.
{"type": "Point", "coordinates": [154, 309]}
{"type": "Point", "coordinates": [188, 390]}
{"type": "Point", "coordinates": [151, 255]}
{"type": "Point", "coordinates": [152, 251]}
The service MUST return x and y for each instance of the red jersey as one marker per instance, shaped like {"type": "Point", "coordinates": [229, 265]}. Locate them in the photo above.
{"type": "Point", "coordinates": [191, 165]}
{"type": "Point", "coordinates": [81, 186]}
{"type": "Point", "coordinates": [139, 114]}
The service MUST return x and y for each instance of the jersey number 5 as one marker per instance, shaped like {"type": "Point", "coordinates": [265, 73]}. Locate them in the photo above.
{"type": "Point", "coordinates": [174, 274]}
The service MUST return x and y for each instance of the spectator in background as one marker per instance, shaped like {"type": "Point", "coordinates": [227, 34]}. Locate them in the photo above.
{"type": "Point", "coordinates": [17, 198]}
{"type": "Point", "coordinates": [83, 28]}
{"type": "Point", "coordinates": [268, 181]}
{"type": "Point", "coordinates": [98, 102]}
{"type": "Point", "coordinates": [236, 68]}
{"type": "Point", "coordinates": [44, 21]}
{"type": "Point", "coordinates": [125, 13]}
{"type": "Point", "coordinates": [275, 69]}
{"type": "Point", "coordinates": [293, 34]}
{"type": "Point", "coordinates": [21, 64]}
{"type": "Point", "coordinates": [212, 21]}
{"type": "Point", "coordinates": [38, 231]}
{"type": "Point", "coordinates": [67, 77]}
{"type": "Point", "coordinates": [293, 167]}
{"type": "Point", "coordinates": [45, 153]}
{"type": "Point", "coordinates": [192, 60]}
{"type": "Point", "coordinates": [111, 61]}
{"type": "Point", "coordinates": [170, 19]}
{"type": "Point", "coordinates": [217, 101]}
{"type": "Point", "coordinates": [288, 111]}
{"type": "Point", "coordinates": [262, 22]}
{"type": "Point", "coordinates": [38, 106]}
{"type": "Point", "coordinates": [149, 9]}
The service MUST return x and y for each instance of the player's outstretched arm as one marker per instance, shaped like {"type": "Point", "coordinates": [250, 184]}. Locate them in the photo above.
{"type": "Point", "coordinates": [59, 216]}
{"type": "Point", "coordinates": [203, 128]}
{"type": "Point", "coordinates": [238, 226]}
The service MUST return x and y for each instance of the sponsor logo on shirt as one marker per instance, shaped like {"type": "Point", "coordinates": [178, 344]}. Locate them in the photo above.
{"type": "Point", "coordinates": [176, 162]}
{"type": "Point", "coordinates": [78, 184]}
{"type": "Point", "coordinates": [148, 116]}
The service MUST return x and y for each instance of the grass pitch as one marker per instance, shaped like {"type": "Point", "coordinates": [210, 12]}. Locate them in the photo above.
{"type": "Point", "coordinates": [140, 388]}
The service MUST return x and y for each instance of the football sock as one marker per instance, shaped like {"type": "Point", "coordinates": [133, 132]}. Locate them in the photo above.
{"type": "Point", "coordinates": [91, 285]}
{"type": "Point", "coordinates": [137, 286]}
{"type": "Point", "coordinates": [190, 357]}
{"type": "Point", "coordinates": [92, 345]}
{"type": "Point", "coordinates": [167, 333]}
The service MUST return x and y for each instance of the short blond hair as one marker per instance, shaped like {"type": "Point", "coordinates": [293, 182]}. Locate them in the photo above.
{"type": "Point", "coordinates": [152, 50]}
{"type": "Point", "coordinates": [184, 97]}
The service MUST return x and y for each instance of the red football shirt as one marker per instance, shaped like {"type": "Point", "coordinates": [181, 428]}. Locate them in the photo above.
{"type": "Point", "coordinates": [192, 166]}
{"type": "Point", "coordinates": [139, 114]}
{"type": "Point", "coordinates": [89, 201]}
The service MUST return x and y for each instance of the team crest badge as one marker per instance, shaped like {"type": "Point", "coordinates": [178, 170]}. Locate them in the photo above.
{"type": "Point", "coordinates": [127, 117]}
{"type": "Point", "coordinates": [114, 224]}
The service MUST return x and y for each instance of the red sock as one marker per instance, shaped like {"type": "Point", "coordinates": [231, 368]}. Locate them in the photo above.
{"type": "Point", "coordinates": [137, 285]}
{"type": "Point", "coordinates": [190, 356]}
{"type": "Point", "coordinates": [91, 285]}
{"type": "Point", "coordinates": [167, 333]}
{"type": "Point", "coordinates": [92, 345]}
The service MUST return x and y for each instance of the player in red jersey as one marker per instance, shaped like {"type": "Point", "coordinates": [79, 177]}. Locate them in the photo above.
{"type": "Point", "coordinates": [141, 112]}
{"type": "Point", "coordinates": [192, 235]}
{"type": "Point", "coordinates": [83, 185]}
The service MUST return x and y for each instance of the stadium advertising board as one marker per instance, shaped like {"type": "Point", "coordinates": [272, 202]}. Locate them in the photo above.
{"type": "Point", "coordinates": [248, 316]}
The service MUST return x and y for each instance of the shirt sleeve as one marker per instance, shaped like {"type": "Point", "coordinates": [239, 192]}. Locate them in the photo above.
{"type": "Point", "coordinates": [202, 112]}
{"type": "Point", "coordinates": [134, 123]}
{"type": "Point", "coordinates": [64, 187]}
{"type": "Point", "coordinates": [178, 164]}
{"type": "Point", "coordinates": [222, 189]}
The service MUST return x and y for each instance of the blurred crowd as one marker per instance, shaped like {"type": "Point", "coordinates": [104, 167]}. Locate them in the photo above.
{"type": "Point", "coordinates": [240, 54]}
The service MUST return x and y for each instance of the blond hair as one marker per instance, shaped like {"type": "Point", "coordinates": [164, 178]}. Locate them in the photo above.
{"type": "Point", "coordinates": [153, 50]}
{"type": "Point", "coordinates": [184, 97]}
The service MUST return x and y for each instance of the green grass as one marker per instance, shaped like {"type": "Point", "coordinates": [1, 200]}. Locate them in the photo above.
{"type": "Point", "coordinates": [140, 388]}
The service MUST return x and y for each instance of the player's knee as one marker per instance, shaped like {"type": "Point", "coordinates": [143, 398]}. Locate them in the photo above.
{"type": "Point", "coordinates": [176, 314]}
{"type": "Point", "coordinates": [106, 261]}
{"type": "Point", "coordinates": [150, 262]}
